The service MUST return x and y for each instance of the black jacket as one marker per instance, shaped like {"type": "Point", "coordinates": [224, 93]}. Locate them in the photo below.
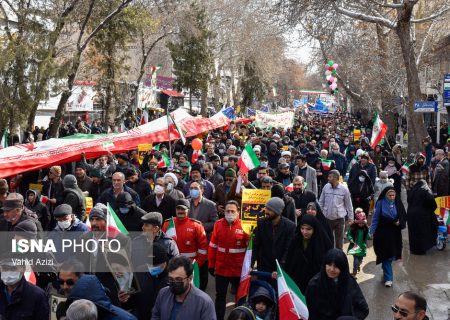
{"type": "Point", "coordinates": [132, 220]}
{"type": "Point", "coordinates": [166, 207]}
{"type": "Point", "coordinates": [267, 248]}
{"type": "Point", "coordinates": [142, 187]}
{"type": "Point", "coordinates": [28, 302]}
{"type": "Point", "coordinates": [75, 199]}
{"type": "Point", "coordinates": [38, 208]}
{"type": "Point", "coordinates": [97, 189]}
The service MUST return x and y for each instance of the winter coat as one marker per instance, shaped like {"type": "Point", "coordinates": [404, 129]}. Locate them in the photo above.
{"type": "Point", "coordinates": [310, 178]}
{"type": "Point", "coordinates": [97, 189]}
{"type": "Point", "coordinates": [141, 247]}
{"type": "Point", "coordinates": [89, 287]}
{"type": "Point", "coordinates": [301, 199]}
{"type": "Point", "coordinates": [440, 181]}
{"type": "Point", "coordinates": [132, 220]}
{"type": "Point", "coordinates": [379, 186]}
{"type": "Point", "coordinates": [75, 199]}
{"type": "Point", "coordinates": [108, 197]}
{"type": "Point", "coordinates": [387, 236]}
{"type": "Point", "coordinates": [166, 207]}
{"type": "Point", "coordinates": [422, 221]}
{"type": "Point", "coordinates": [38, 208]}
{"type": "Point", "coordinates": [142, 187]}
{"type": "Point", "coordinates": [356, 169]}
{"type": "Point", "coordinates": [267, 248]}
{"type": "Point", "coordinates": [28, 302]}
{"type": "Point", "coordinates": [340, 162]}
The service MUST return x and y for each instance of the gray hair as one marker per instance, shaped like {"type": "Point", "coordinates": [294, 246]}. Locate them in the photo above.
{"type": "Point", "coordinates": [439, 151]}
{"type": "Point", "coordinates": [335, 173]}
{"type": "Point", "coordinates": [82, 310]}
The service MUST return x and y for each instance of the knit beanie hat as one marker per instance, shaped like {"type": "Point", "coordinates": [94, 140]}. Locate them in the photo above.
{"type": "Point", "coordinates": [276, 205]}
{"type": "Point", "coordinates": [69, 181]}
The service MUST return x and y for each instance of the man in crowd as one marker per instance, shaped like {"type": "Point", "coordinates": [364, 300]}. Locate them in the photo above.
{"type": "Point", "coordinates": [307, 172]}
{"type": "Point", "coordinates": [118, 185]}
{"type": "Point", "coordinates": [336, 204]}
{"type": "Point", "coordinates": [181, 299]}
{"type": "Point", "coordinates": [196, 177]}
{"type": "Point", "coordinates": [137, 183]}
{"type": "Point", "coordinates": [212, 175]}
{"type": "Point", "coordinates": [106, 169]}
{"type": "Point", "coordinates": [128, 212]}
{"type": "Point", "coordinates": [160, 201]}
{"type": "Point", "coordinates": [410, 306]}
{"type": "Point", "coordinates": [440, 182]}
{"type": "Point", "coordinates": [74, 197]}
{"type": "Point", "coordinates": [84, 182]}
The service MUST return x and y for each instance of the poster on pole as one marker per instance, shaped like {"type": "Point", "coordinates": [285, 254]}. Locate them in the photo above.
{"type": "Point", "coordinates": [283, 120]}
{"type": "Point", "coordinates": [253, 203]}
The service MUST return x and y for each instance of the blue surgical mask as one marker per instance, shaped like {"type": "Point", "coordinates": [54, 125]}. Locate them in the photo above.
{"type": "Point", "coordinates": [124, 210]}
{"type": "Point", "coordinates": [155, 271]}
{"type": "Point", "coordinates": [194, 193]}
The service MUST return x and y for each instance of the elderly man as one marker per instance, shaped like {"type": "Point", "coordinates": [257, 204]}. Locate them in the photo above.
{"type": "Point", "coordinates": [160, 200]}
{"type": "Point", "coordinates": [212, 175]}
{"type": "Point", "coordinates": [336, 203]}
{"type": "Point", "coordinates": [110, 194]}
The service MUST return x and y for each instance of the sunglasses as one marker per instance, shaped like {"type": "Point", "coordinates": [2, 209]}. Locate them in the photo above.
{"type": "Point", "coordinates": [69, 282]}
{"type": "Point", "coordinates": [396, 309]}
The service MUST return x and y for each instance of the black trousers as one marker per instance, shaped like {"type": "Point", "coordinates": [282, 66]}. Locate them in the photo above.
{"type": "Point", "coordinates": [204, 276]}
{"type": "Point", "coordinates": [221, 293]}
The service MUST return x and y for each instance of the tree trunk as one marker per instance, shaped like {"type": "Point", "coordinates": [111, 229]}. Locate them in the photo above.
{"type": "Point", "coordinates": [416, 127]}
{"type": "Point", "coordinates": [31, 116]}
{"type": "Point", "coordinates": [190, 101]}
{"type": "Point", "coordinates": [54, 128]}
{"type": "Point", "coordinates": [204, 101]}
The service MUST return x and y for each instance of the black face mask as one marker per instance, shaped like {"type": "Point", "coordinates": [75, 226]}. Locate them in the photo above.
{"type": "Point", "coordinates": [177, 287]}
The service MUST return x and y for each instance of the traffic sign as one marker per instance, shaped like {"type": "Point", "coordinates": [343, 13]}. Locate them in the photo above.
{"type": "Point", "coordinates": [426, 106]}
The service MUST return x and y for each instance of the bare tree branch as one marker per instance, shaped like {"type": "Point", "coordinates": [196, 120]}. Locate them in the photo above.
{"type": "Point", "coordinates": [388, 5]}
{"type": "Point", "coordinates": [424, 42]}
{"type": "Point", "coordinates": [105, 21]}
{"type": "Point", "coordinates": [83, 27]}
{"type": "Point", "coordinates": [433, 16]}
{"type": "Point", "coordinates": [12, 8]}
{"type": "Point", "coordinates": [361, 16]}
{"type": "Point", "coordinates": [8, 31]}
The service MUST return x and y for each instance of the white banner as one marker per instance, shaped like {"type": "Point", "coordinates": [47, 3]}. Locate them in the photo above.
{"type": "Point", "coordinates": [276, 120]}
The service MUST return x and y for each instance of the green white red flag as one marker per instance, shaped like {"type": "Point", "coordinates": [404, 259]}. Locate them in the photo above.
{"type": "Point", "coordinates": [196, 274]}
{"type": "Point", "coordinates": [326, 164]}
{"type": "Point", "coordinates": [180, 130]}
{"type": "Point", "coordinates": [171, 231]}
{"type": "Point", "coordinates": [244, 285]}
{"type": "Point", "coordinates": [165, 161]}
{"type": "Point", "coordinates": [114, 225]}
{"type": "Point", "coordinates": [378, 131]}
{"type": "Point", "coordinates": [291, 302]}
{"type": "Point", "coordinates": [144, 117]}
{"type": "Point", "coordinates": [354, 250]}
{"type": "Point", "coordinates": [274, 92]}
{"type": "Point", "coordinates": [405, 167]}
{"type": "Point", "coordinates": [248, 159]}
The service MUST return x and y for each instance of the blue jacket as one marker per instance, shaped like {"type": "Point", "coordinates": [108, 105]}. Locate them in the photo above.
{"type": "Point", "coordinates": [28, 302]}
{"type": "Point", "coordinates": [340, 162]}
{"type": "Point", "coordinates": [89, 287]}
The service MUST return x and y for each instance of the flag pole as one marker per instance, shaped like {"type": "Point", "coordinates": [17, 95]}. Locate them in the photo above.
{"type": "Point", "coordinates": [168, 132]}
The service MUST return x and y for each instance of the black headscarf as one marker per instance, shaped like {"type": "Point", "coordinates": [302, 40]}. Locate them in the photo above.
{"type": "Point", "coordinates": [321, 218]}
{"type": "Point", "coordinates": [303, 263]}
{"type": "Point", "coordinates": [332, 293]}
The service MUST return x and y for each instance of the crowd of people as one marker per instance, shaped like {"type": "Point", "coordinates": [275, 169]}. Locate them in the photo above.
{"type": "Point", "coordinates": [327, 189]}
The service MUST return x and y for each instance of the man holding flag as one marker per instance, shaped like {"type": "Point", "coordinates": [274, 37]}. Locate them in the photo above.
{"type": "Point", "coordinates": [226, 253]}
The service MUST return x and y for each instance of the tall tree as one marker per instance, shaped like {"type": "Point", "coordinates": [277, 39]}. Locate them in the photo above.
{"type": "Point", "coordinates": [252, 86]}
{"type": "Point", "coordinates": [191, 54]}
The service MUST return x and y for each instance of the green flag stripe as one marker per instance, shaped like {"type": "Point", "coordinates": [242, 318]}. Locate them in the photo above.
{"type": "Point", "coordinates": [252, 154]}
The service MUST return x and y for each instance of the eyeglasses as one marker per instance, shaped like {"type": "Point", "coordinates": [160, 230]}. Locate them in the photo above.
{"type": "Point", "coordinates": [69, 282]}
{"type": "Point", "coordinates": [396, 309]}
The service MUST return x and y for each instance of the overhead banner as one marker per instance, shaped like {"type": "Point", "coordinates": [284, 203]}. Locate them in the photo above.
{"type": "Point", "coordinates": [42, 154]}
{"type": "Point", "coordinates": [252, 208]}
{"type": "Point", "coordinates": [283, 120]}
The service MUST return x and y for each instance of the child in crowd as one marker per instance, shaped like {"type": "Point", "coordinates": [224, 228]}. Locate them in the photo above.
{"type": "Point", "coordinates": [358, 234]}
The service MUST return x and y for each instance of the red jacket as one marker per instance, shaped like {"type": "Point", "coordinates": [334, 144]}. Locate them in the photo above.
{"type": "Point", "coordinates": [227, 248]}
{"type": "Point", "coordinates": [191, 239]}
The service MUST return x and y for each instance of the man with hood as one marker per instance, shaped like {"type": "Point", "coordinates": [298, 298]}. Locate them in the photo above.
{"type": "Point", "coordinates": [90, 288]}
{"type": "Point", "coordinates": [363, 164]}
{"type": "Point", "coordinates": [33, 203]}
{"type": "Point", "coordinates": [273, 155]}
{"type": "Point", "coordinates": [417, 171]}
{"type": "Point", "coordinates": [73, 196]}
{"type": "Point", "coordinates": [128, 212]}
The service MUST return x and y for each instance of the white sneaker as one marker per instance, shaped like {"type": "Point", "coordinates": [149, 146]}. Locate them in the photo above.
{"type": "Point", "coordinates": [388, 284]}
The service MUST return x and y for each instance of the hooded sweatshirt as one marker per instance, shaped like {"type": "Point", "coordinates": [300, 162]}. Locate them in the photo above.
{"type": "Point", "coordinates": [38, 208]}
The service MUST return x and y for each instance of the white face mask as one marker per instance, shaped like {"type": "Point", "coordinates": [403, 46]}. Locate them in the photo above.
{"type": "Point", "coordinates": [64, 224]}
{"type": "Point", "coordinates": [159, 189]}
{"type": "Point", "coordinates": [230, 217]}
{"type": "Point", "coordinates": [169, 186]}
{"type": "Point", "coordinates": [361, 178]}
{"type": "Point", "coordinates": [10, 278]}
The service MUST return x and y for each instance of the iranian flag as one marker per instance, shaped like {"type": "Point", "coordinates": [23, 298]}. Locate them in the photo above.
{"type": "Point", "coordinates": [171, 231]}
{"type": "Point", "coordinates": [355, 250]}
{"type": "Point", "coordinates": [405, 167]}
{"type": "Point", "coordinates": [180, 130]}
{"type": "Point", "coordinates": [326, 164]}
{"type": "Point", "coordinates": [113, 224]}
{"type": "Point", "coordinates": [274, 92]}
{"type": "Point", "coordinates": [4, 142]}
{"type": "Point", "coordinates": [378, 131]}
{"type": "Point", "coordinates": [248, 159]}
{"type": "Point", "coordinates": [30, 276]}
{"type": "Point", "coordinates": [244, 285]}
{"type": "Point", "coordinates": [144, 117]}
{"type": "Point", "coordinates": [154, 69]}
{"type": "Point", "coordinates": [196, 274]}
{"type": "Point", "coordinates": [195, 155]}
{"type": "Point", "coordinates": [446, 217]}
{"type": "Point", "coordinates": [291, 302]}
{"type": "Point", "coordinates": [164, 162]}
{"type": "Point", "coordinates": [289, 188]}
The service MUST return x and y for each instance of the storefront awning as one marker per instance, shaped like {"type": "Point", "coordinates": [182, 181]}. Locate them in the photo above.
{"type": "Point", "coordinates": [173, 93]}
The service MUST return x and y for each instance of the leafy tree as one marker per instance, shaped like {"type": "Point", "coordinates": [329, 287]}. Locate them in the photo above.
{"type": "Point", "coordinates": [191, 55]}
{"type": "Point", "coordinates": [252, 86]}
